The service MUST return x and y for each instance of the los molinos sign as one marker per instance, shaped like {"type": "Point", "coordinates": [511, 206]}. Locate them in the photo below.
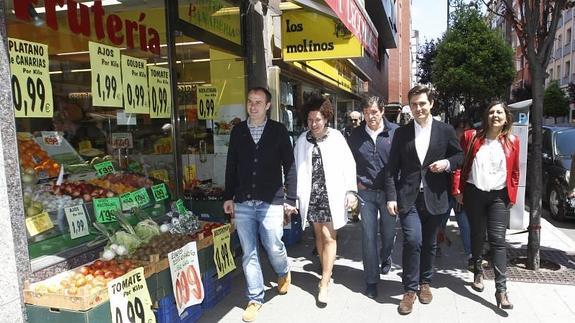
{"type": "Point", "coordinates": [310, 36]}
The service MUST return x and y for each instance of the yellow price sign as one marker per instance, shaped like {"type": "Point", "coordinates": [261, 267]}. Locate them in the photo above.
{"type": "Point", "coordinates": [160, 92]}
{"type": "Point", "coordinates": [135, 85]}
{"type": "Point", "coordinates": [207, 97]}
{"type": "Point", "coordinates": [223, 257]}
{"type": "Point", "coordinates": [130, 299]}
{"type": "Point", "coordinates": [190, 173]}
{"type": "Point", "coordinates": [39, 223]}
{"type": "Point", "coordinates": [84, 145]}
{"type": "Point", "coordinates": [106, 75]}
{"type": "Point", "coordinates": [163, 146]}
{"type": "Point", "coordinates": [30, 79]}
{"type": "Point", "coordinates": [161, 174]}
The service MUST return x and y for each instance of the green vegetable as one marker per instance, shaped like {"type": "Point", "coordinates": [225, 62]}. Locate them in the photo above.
{"type": "Point", "coordinates": [128, 240]}
{"type": "Point", "coordinates": [147, 229]}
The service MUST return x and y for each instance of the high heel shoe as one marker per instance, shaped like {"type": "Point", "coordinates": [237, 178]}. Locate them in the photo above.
{"type": "Point", "coordinates": [477, 284]}
{"type": "Point", "coordinates": [503, 301]}
{"type": "Point", "coordinates": [322, 295]}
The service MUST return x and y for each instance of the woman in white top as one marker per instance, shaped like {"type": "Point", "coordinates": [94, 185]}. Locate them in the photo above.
{"type": "Point", "coordinates": [326, 182]}
{"type": "Point", "coordinates": [487, 187]}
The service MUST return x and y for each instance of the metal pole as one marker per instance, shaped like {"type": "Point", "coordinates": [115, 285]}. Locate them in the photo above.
{"type": "Point", "coordinates": [448, 5]}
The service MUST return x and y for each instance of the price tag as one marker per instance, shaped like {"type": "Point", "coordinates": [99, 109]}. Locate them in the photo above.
{"type": "Point", "coordinates": [51, 138]}
{"type": "Point", "coordinates": [207, 98]}
{"type": "Point", "coordinates": [106, 75]}
{"type": "Point", "coordinates": [160, 92]}
{"type": "Point", "coordinates": [122, 140]}
{"type": "Point", "coordinates": [39, 223]}
{"type": "Point", "coordinates": [77, 221]}
{"type": "Point", "coordinates": [135, 85]}
{"type": "Point", "coordinates": [222, 253]}
{"type": "Point", "coordinates": [180, 208]}
{"type": "Point", "coordinates": [130, 299]}
{"type": "Point", "coordinates": [84, 145]}
{"type": "Point", "coordinates": [30, 79]}
{"type": "Point", "coordinates": [190, 173]}
{"type": "Point", "coordinates": [161, 174]}
{"type": "Point", "coordinates": [106, 209]}
{"type": "Point", "coordinates": [163, 146]}
{"type": "Point", "coordinates": [185, 272]}
{"type": "Point", "coordinates": [127, 201]}
{"type": "Point", "coordinates": [104, 168]}
{"type": "Point", "coordinates": [160, 192]}
{"type": "Point", "coordinates": [141, 196]}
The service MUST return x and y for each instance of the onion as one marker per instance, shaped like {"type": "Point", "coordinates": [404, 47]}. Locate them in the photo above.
{"type": "Point", "coordinates": [108, 254]}
{"type": "Point", "coordinates": [164, 227]}
{"type": "Point", "coordinates": [122, 251]}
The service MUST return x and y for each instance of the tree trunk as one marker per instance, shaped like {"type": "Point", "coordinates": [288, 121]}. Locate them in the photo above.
{"type": "Point", "coordinates": [535, 165]}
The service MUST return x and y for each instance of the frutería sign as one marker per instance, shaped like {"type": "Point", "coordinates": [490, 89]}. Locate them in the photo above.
{"type": "Point", "coordinates": [310, 36]}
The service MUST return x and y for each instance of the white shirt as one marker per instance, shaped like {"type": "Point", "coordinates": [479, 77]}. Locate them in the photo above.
{"type": "Point", "coordinates": [374, 134]}
{"type": "Point", "coordinates": [422, 137]}
{"type": "Point", "coordinates": [489, 169]}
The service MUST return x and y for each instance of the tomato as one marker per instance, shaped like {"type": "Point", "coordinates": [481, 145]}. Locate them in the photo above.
{"type": "Point", "coordinates": [98, 264]}
{"type": "Point", "coordinates": [98, 272]}
{"type": "Point", "coordinates": [109, 274]}
{"type": "Point", "coordinates": [128, 264]}
{"type": "Point", "coordinates": [85, 270]}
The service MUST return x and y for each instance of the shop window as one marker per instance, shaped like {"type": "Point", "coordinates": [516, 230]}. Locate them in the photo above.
{"type": "Point", "coordinates": [93, 115]}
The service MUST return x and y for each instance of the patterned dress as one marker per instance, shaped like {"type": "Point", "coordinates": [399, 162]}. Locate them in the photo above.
{"type": "Point", "coordinates": [318, 209]}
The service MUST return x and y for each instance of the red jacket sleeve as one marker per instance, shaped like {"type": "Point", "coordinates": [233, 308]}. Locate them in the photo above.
{"type": "Point", "coordinates": [456, 178]}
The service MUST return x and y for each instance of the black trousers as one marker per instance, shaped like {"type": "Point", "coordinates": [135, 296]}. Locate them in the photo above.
{"type": "Point", "coordinates": [488, 211]}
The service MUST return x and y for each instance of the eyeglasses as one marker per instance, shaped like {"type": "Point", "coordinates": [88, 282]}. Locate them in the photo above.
{"type": "Point", "coordinates": [354, 120]}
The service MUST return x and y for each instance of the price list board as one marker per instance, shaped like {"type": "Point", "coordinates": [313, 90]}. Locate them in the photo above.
{"type": "Point", "coordinates": [135, 85]}
{"type": "Point", "coordinates": [106, 75]}
{"type": "Point", "coordinates": [159, 92]}
{"type": "Point", "coordinates": [30, 79]}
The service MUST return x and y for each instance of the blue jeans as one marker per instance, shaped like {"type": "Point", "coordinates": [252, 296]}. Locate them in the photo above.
{"type": "Point", "coordinates": [374, 202]}
{"type": "Point", "coordinates": [462, 223]}
{"type": "Point", "coordinates": [419, 244]}
{"type": "Point", "coordinates": [261, 219]}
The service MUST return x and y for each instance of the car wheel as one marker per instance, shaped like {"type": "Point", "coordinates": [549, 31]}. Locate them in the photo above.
{"type": "Point", "coordinates": [556, 200]}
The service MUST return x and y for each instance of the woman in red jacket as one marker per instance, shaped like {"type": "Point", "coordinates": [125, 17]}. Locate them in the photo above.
{"type": "Point", "coordinates": [486, 185]}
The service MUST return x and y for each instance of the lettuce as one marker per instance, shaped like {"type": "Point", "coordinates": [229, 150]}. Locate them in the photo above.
{"type": "Point", "coordinates": [147, 229]}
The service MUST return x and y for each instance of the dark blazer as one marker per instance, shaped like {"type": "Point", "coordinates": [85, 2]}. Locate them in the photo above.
{"type": "Point", "coordinates": [371, 158]}
{"type": "Point", "coordinates": [254, 171]}
{"type": "Point", "coordinates": [405, 166]}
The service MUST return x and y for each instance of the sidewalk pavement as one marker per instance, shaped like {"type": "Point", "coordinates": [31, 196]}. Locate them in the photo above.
{"type": "Point", "coordinates": [453, 298]}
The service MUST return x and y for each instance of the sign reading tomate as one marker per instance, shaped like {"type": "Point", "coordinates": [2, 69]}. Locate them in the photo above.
{"type": "Point", "coordinates": [31, 87]}
{"type": "Point", "coordinates": [130, 300]}
{"type": "Point", "coordinates": [106, 75]}
{"type": "Point", "coordinates": [135, 85]}
{"type": "Point", "coordinates": [186, 282]}
{"type": "Point", "coordinates": [159, 92]}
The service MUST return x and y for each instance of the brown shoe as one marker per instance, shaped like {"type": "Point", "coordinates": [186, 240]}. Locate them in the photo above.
{"type": "Point", "coordinates": [503, 301]}
{"type": "Point", "coordinates": [284, 283]}
{"type": "Point", "coordinates": [425, 296]}
{"type": "Point", "coordinates": [477, 284]}
{"type": "Point", "coordinates": [406, 304]}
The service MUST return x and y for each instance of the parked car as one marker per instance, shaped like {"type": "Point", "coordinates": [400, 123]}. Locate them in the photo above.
{"type": "Point", "coordinates": [557, 149]}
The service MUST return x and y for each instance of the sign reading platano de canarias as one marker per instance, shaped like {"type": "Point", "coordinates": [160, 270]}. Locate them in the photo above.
{"type": "Point", "coordinates": [30, 79]}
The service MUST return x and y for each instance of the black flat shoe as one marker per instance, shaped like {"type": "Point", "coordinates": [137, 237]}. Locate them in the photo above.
{"type": "Point", "coordinates": [371, 291]}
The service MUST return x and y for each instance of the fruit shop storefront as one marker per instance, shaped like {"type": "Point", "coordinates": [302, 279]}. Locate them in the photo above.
{"type": "Point", "coordinates": [115, 121]}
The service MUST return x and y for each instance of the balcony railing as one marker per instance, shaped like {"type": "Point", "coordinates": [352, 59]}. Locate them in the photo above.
{"type": "Point", "coordinates": [567, 49]}
{"type": "Point", "coordinates": [558, 53]}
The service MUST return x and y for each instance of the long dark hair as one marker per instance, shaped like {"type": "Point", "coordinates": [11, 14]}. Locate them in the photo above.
{"type": "Point", "coordinates": [506, 131]}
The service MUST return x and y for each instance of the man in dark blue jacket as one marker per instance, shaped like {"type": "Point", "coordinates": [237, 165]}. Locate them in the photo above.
{"type": "Point", "coordinates": [259, 152]}
{"type": "Point", "coordinates": [370, 144]}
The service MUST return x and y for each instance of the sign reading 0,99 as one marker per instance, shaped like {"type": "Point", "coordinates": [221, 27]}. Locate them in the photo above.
{"type": "Point", "coordinates": [30, 79]}
{"type": "Point", "coordinates": [207, 97]}
{"type": "Point", "coordinates": [159, 92]}
{"type": "Point", "coordinates": [135, 85]}
{"type": "Point", "coordinates": [106, 75]}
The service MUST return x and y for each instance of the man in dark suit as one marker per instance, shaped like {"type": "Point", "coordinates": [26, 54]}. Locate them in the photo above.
{"type": "Point", "coordinates": [417, 187]}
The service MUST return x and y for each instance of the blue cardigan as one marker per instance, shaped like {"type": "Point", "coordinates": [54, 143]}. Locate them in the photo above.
{"type": "Point", "coordinates": [370, 158]}
{"type": "Point", "coordinates": [254, 172]}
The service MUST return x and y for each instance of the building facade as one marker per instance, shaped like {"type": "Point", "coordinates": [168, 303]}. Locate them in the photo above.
{"type": "Point", "coordinates": [400, 58]}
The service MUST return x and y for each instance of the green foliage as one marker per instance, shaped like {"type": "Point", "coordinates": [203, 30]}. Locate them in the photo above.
{"type": "Point", "coordinates": [425, 59]}
{"type": "Point", "coordinates": [473, 64]}
{"type": "Point", "coordinates": [556, 103]}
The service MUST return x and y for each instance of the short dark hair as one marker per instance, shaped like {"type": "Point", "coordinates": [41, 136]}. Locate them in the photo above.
{"type": "Point", "coordinates": [318, 103]}
{"type": "Point", "coordinates": [368, 101]}
{"type": "Point", "coordinates": [421, 89]}
{"type": "Point", "coordinates": [262, 89]}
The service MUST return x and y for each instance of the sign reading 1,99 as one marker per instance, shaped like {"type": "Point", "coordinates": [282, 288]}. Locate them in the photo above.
{"type": "Point", "coordinates": [135, 80]}
{"type": "Point", "coordinates": [106, 75]}
{"type": "Point", "coordinates": [207, 96]}
{"type": "Point", "coordinates": [30, 80]}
